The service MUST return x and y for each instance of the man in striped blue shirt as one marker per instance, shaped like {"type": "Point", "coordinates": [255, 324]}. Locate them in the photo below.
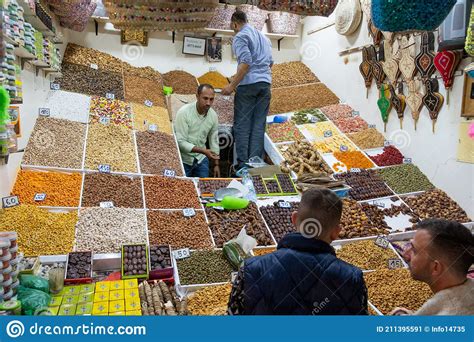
{"type": "Point", "coordinates": [252, 85]}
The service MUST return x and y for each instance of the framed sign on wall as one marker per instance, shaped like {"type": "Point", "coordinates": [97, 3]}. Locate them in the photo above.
{"type": "Point", "coordinates": [14, 113]}
{"type": "Point", "coordinates": [194, 46]}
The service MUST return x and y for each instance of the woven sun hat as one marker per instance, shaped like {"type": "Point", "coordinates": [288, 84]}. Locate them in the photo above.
{"type": "Point", "coordinates": [348, 16]}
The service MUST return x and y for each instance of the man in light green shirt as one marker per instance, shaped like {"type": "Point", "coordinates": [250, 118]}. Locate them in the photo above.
{"type": "Point", "coordinates": [196, 124]}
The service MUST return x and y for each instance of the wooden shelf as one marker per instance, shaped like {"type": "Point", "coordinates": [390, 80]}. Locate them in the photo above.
{"type": "Point", "coordinates": [22, 52]}
{"type": "Point", "coordinates": [35, 21]}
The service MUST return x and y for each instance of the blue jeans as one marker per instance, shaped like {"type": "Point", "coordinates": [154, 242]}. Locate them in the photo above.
{"type": "Point", "coordinates": [200, 170]}
{"type": "Point", "coordinates": [252, 103]}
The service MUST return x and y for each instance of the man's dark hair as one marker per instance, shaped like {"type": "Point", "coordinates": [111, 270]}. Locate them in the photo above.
{"type": "Point", "coordinates": [239, 17]}
{"type": "Point", "coordinates": [451, 240]}
{"type": "Point", "coordinates": [322, 205]}
{"type": "Point", "coordinates": [204, 86]}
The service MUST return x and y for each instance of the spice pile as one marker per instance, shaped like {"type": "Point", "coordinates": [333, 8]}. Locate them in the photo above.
{"type": "Point", "coordinates": [210, 301]}
{"type": "Point", "coordinates": [354, 159]}
{"type": "Point", "coordinates": [215, 79]}
{"type": "Point", "coordinates": [436, 204]}
{"type": "Point", "coordinates": [337, 111]}
{"type": "Point", "coordinates": [171, 227]}
{"type": "Point", "coordinates": [290, 99]}
{"type": "Point", "coordinates": [390, 156]}
{"type": "Point", "coordinates": [405, 178]}
{"type": "Point", "coordinates": [204, 267]}
{"type": "Point", "coordinates": [56, 143]}
{"type": "Point", "coordinates": [225, 225]}
{"type": "Point", "coordinates": [282, 132]}
{"type": "Point", "coordinates": [139, 90]}
{"type": "Point", "coordinates": [290, 74]}
{"type": "Point", "coordinates": [366, 255]}
{"type": "Point", "coordinates": [351, 125]}
{"type": "Point", "coordinates": [224, 107]}
{"type": "Point", "coordinates": [40, 232]}
{"type": "Point", "coordinates": [61, 189]}
{"type": "Point", "coordinates": [333, 144]}
{"type": "Point", "coordinates": [367, 138]}
{"type": "Point", "coordinates": [301, 158]}
{"type": "Point", "coordinates": [170, 193]}
{"type": "Point", "coordinates": [181, 82]}
{"type": "Point", "coordinates": [78, 54]}
{"type": "Point", "coordinates": [144, 116]}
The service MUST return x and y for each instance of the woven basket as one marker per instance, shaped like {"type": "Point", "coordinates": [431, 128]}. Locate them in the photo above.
{"type": "Point", "coordinates": [316, 7]}
{"type": "Point", "coordinates": [470, 35]}
{"type": "Point", "coordinates": [410, 15]}
{"type": "Point", "coordinates": [255, 16]}
{"type": "Point", "coordinates": [348, 17]}
{"type": "Point", "coordinates": [283, 23]}
{"type": "Point", "coordinates": [222, 17]}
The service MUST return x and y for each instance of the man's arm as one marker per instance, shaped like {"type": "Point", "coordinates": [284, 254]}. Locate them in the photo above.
{"type": "Point", "coordinates": [213, 138]}
{"type": "Point", "coordinates": [182, 130]}
{"type": "Point", "coordinates": [245, 60]}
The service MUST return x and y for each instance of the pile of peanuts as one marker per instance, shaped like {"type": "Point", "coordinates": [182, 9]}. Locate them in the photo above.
{"type": "Point", "coordinates": [210, 301]}
{"type": "Point", "coordinates": [144, 116]}
{"type": "Point", "coordinates": [170, 193]}
{"type": "Point", "coordinates": [366, 255]}
{"type": "Point", "coordinates": [139, 90]}
{"type": "Point", "coordinates": [367, 138]}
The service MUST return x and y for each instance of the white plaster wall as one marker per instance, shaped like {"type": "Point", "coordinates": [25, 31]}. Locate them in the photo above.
{"type": "Point", "coordinates": [435, 154]}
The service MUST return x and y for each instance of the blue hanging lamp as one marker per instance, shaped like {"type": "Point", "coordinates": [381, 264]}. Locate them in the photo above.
{"type": "Point", "coordinates": [410, 15]}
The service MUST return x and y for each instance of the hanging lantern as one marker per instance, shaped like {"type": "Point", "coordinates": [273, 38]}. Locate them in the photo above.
{"type": "Point", "coordinates": [410, 15]}
{"type": "Point", "coordinates": [447, 62]}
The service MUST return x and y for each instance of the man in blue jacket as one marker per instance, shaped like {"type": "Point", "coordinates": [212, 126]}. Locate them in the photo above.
{"type": "Point", "coordinates": [304, 276]}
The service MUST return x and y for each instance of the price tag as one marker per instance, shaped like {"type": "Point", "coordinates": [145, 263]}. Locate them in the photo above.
{"type": "Point", "coordinates": [406, 160]}
{"type": "Point", "coordinates": [153, 128]}
{"type": "Point", "coordinates": [394, 263]}
{"type": "Point", "coordinates": [313, 119]}
{"type": "Point", "coordinates": [387, 143]}
{"type": "Point", "coordinates": [181, 253]}
{"type": "Point", "coordinates": [104, 168]}
{"type": "Point", "coordinates": [212, 69]}
{"type": "Point", "coordinates": [169, 173]}
{"type": "Point", "coordinates": [104, 120]}
{"type": "Point", "coordinates": [11, 201]}
{"type": "Point", "coordinates": [218, 208]}
{"type": "Point", "coordinates": [189, 212]}
{"type": "Point", "coordinates": [40, 197]}
{"type": "Point", "coordinates": [355, 113]}
{"type": "Point", "coordinates": [355, 169]}
{"type": "Point", "coordinates": [372, 126]}
{"type": "Point", "coordinates": [94, 66]}
{"type": "Point", "coordinates": [44, 112]}
{"type": "Point", "coordinates": [328, 134]}
{"type": "Point", "coordinates": [382, 241]}
{"type": "Point", "coordinates": [148, 103]}
{"type": "Point", "coordinates": [106, 205]}
{"type": "Point", "coordinates": [233, 276]}
{"type": "Point", "coordinates": [344, 148]}
{"type": "Point", "coordinates": [379, 204]}
{"type": "Point", "coordinates": [284, 205]}
{"type": "Point", "coordinates": [110, 96]}
{"type": "Point", "coordinates": [3, 136]}
{"type": "Point", "coordinates": [55, 86]}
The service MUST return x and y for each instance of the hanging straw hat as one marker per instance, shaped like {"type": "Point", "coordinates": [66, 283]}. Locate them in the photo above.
{"type": "Point", "coordinates": [348, 16]}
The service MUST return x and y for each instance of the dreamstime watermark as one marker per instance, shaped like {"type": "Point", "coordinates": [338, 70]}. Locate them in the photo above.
{"type": "Point", "coordinates": [310, 51]}
{"type": "Point", "coordinates": [310, 228]}
{"type": "Point", "coordinates": [318, 307]}
{"type": "Point", "coordinates": [44, 139]}
{"type": "Point", "coordinates": [400, 138]}
{"type": "Point", "coordinates": [133, 51]}
{"type": "Point", "coordinates": [15, 329]}
{"type": "Point", "coordinates": [225, 140]}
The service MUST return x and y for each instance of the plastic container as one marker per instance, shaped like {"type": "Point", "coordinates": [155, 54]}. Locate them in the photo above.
{"type": "Point", "coordinates": [7, 282]}
{"type": "Point", "coordinates": [12, 236]}
{"type": "Point", "coordinates": [12, 307]}
{"type": "Point", "coordinates": [14, 261]}
{"type": "Point", "coordinates": [14, 275]}
{"type": "Point", "coordinates": [8, 295]}
{"type": "Point", "coordinates": [14, 253]}
{"type": "Point", "coordinates": [6, 258]}
{"type": "Point", "coordinates": [7, 270]}
{"type": "Point", "coordinates": [4, 246]}
{"type": "Point", "coordinates": [1, 278]}
{"type": "Point", "coordinates": [4, 264]}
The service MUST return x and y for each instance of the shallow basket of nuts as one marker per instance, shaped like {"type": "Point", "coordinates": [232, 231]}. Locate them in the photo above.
{"type": "Point", "coordinates": [135, 261]}
{"type": "Point", "coordinates": [161, 264]}
{"type": "Point", "coordinates": [78, 268]}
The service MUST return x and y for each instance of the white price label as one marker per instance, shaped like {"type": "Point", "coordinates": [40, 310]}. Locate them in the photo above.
{"type": "Point", "coordinates": [104, 168]}
{"type": "Point", "coordinates": [45, 112]}
{"type": "Point", "coordinates": [189, 212]}
{"type": "Point", "coordinates": [313, 119]}
{"type": "Point", "coordinates": [394, 263]}
{"type": "Point", "coordinates": [106, 205]}
{"type": "Point", "coordinates": [372, 126]}
{"type": "Point", "coordinates": [382, 241]}
{"type": "Point", "coordinates": [110, 96]}
{"type": "Point", "coordinates": [379, 204]}
{"type": "Point", "coordinates": [387, 143]}
{"type": "Point", "coordinates": [94, 66]}
{"type": "Point", "coordinates": [40, 197]}
{"type": "Point", "coordinates": [233, 276]}
{"type": "Point", "coordinates": [212, 69]}
{"type": "Point", "coordinates": [148, 103]}
{"type": "Point", "coordinates": [406, 160]}
{"type": "Point", "coordinates": [284, 205]}
{"type": "Point", "coordinates": [355, 169]}
{"type": "Point", "coordinates": [10, 201]}
{"type": "Point", "coordinates": [328, 134]}
{"type": "Point", "coordinates": [181, 253]}
{"type": "Point", "coordinates": [104, 120]}
{"type": "Point", "coordinates": [355, 113]}
{"type": "Point", "coordinates": [344, 148]}
{"type": "Point", "coordinates": [169, 173]}
{"type": "Point", "coordinates": [55, 86]}
{"type": "Point", "coordinates": [153, 128]}
{"type": "Point", "coordinates": [3, 136]}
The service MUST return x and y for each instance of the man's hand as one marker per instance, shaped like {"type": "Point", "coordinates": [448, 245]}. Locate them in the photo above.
{"type": "Point", "coordinates": [229, 89]}
{"type": "Point", "coordinates": [217, 171]}
{"type": "Point", "coordinates": [400, 312]}
{"type": "Point", "coordinates": [211, 155]}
